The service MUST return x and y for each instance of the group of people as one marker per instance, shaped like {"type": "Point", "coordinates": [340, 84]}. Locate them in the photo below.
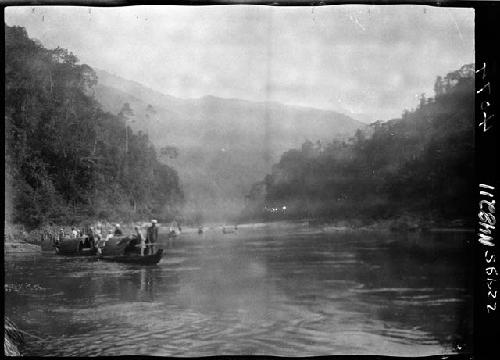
{"type": "Point", "coordinates": [94, 236]}
{"type": "Point", "coordinates": [146, 243]}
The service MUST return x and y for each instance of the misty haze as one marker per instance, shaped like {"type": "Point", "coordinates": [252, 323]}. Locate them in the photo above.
{"type": "Point", "coordinates": [238, 180]}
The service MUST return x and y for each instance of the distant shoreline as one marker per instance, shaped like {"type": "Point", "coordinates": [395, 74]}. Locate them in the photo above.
{"type": "Point", "coordinates": [18, 240]}
{"type": "Point", "coordinates": [393, 225]}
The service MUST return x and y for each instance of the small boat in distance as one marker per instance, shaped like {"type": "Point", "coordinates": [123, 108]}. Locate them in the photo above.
{"type": "Point", "coordinates": [226, 230]}
{"type": "Point", "coordinates": [174, 230]}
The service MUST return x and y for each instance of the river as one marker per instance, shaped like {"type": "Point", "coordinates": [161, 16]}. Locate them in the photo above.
{"type": "Point", "coordinates": [291, 291]}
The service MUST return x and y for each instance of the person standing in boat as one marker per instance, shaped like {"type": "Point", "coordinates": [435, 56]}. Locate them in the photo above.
{"type": "Point", "coordinates": [109, 236]}
{"type": "Point", "coordinates": [98, 232]}
{"type": "Point", "coordinates": [103, 239]}
{"type": "Point", "coordinates": [118, 230]}
{"type": "Point", "coordinates": [152, 236]}
{"type": "Point", "coordinates": [140, 240]}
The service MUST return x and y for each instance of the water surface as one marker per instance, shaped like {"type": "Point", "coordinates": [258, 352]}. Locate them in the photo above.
{"type": "Point", "coordinates": [263, 290]}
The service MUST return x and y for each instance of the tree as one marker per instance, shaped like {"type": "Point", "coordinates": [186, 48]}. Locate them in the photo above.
{"type": "Point", "coordinates": [438, 86]}
{"type": "Point", "coordinates": [63, 156]}
{"type": "Point", "coordinates": [169, 151]}
{"type": "Point", "coordinates": [422, 101]}
{"type": "Point", "coordinates": [125, 112]}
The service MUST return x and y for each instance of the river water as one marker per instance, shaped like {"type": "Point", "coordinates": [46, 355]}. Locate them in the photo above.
{"type": "Point", "coordinates": [291, 291]}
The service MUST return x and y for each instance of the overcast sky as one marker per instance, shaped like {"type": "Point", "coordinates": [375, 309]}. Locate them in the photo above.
{"type": "Point", "coordinates": [373, 60]}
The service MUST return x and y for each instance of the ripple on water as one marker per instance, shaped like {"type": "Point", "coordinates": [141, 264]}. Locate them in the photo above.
{"type": "Point", "coordinates": [173, 260]}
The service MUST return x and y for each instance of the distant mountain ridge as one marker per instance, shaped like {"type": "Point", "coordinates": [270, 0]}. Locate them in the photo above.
{"type": "Point", "coordinates": [224, 145]}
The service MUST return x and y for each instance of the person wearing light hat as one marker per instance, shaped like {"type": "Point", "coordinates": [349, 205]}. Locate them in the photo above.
{"type": "Point", "coordinates": [109, 236]}
{"type": "Point", "coordinates": [118, 230]}
{"type": "Point", "coordinates": [152, 236]}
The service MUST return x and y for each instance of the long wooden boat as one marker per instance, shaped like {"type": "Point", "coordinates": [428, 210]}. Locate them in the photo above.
{"type": "Point", "coordinates": [74, 246]}
{"type": "Point", "coordinates": [133, 258]}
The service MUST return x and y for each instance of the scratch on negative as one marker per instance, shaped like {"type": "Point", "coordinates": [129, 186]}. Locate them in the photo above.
{"type": "Point", "coordinates": [356, 21]}
{"type": "Point", "coordinates": [456, 25]}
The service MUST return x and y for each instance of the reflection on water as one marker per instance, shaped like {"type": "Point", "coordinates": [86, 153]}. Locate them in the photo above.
{"type": "Point", "coordinates": [255, 292]}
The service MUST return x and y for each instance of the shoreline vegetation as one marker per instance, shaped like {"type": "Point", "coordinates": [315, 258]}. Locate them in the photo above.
{"type": "Point", "coordinates": [19, 240]}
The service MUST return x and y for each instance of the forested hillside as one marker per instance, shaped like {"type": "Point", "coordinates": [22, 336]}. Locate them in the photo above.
{"type": "Point", "coordinates": [67, 160]}
{"type": "Point", "coordinates": [419, 165]}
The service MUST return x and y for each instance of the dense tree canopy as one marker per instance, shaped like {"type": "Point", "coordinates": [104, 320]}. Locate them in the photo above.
{"type": "Point", "coordinates": [66, 159]}
{"type": "Point", "coordinates": [421, 164]}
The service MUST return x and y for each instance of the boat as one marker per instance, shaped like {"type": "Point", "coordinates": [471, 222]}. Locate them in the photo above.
{"type": "Point", "coordinates": [172, 234]}
{"type": "Point", "coordinates": [174, 230]}
{"type": "Point", "coordinates": [229, 230]}
{"type": "Point", "coordinates": [75, 247]}
{"type": "Point", "coordinates": [115, 246]}
{"type": "Point", "coordinates": [133, 258]}
{"type": "Point", "coordinates": [126, 249]}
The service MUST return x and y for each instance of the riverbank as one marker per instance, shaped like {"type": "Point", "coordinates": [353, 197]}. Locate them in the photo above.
{"type": "Point", "coordinates": [17, 240]}
{"type": "Point", "coordinates": [414, 224]}
{"type": "Point", "coordinates": [20, 247]}
{"type": "Point", "coordinates": [401, 224]}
